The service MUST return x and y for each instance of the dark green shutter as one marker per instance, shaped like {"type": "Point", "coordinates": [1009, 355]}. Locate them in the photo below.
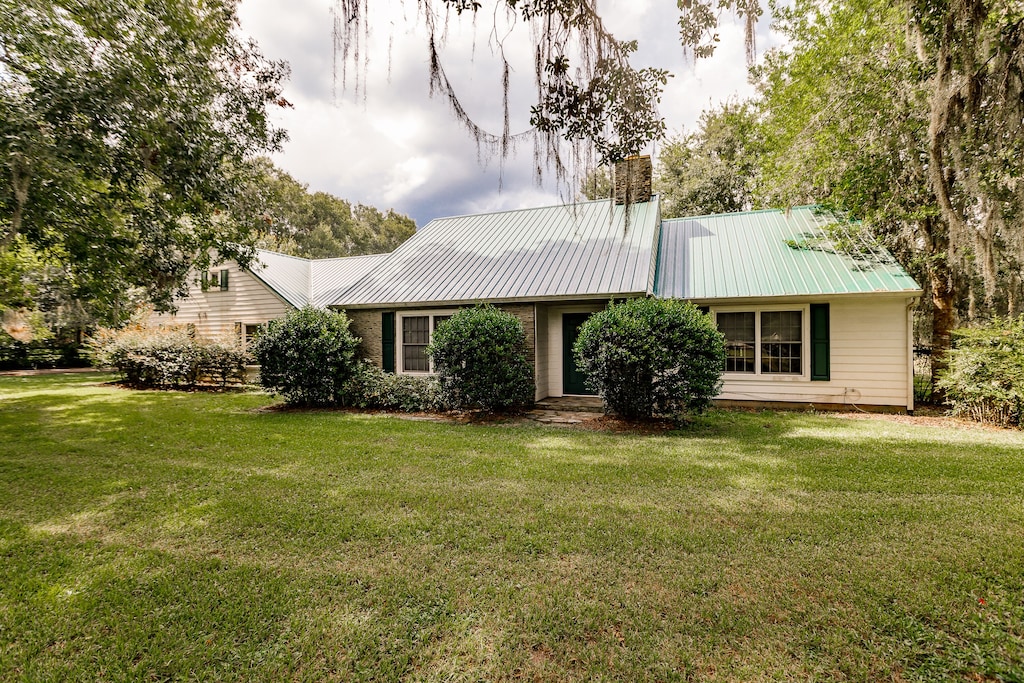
{"type": "Point", "coordinates": [387, 338]}
{"type": "Point", "coordinates": [820, 347]}
{"type": "Point", "coordinates": [205, 280]}
{"type": "Point", "coordinates": [223, 279]}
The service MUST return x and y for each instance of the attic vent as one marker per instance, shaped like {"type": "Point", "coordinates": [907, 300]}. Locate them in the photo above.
{"type": "Point", "coordinates": [633, 180]}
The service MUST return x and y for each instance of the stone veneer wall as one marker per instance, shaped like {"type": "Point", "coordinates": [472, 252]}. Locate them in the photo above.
{"type": "Point", "coordinates": [366, 325]}
{"type": "Point", "coordinates": [526, 314]}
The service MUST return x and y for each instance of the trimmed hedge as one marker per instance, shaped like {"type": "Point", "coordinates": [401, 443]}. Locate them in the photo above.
{"type": "Point", "coordinates": [308, 357]}
{"type": "Point", "coordinates": [163, 357]}
{"type": "Point", "coordinates": [371, 387]}
{"type": "Point", "coordinates": [479, 355]}
{"type": "Point", "coordinates": [648, 357]}
{"type": "Point", "coordinates": [984, 379]}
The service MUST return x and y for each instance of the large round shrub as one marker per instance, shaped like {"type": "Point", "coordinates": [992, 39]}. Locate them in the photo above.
{"type": "Point", "coordinates": [307, 356]}
{"type": "Point", "coordinates": [652, 356]}
{"type": "Point", "coordinates": [984, 379]}
{"type": "Point", "coordinates": [480, 358]}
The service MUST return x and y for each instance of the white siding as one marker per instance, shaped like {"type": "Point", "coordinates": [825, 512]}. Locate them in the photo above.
{"type": "Point", "coordinates": [215, 312]}
{"type": "Point", "coordinates": [870, 361]}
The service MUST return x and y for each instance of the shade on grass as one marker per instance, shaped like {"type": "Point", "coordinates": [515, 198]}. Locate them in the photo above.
{"type": "Point", "coordinates": [148, 535]}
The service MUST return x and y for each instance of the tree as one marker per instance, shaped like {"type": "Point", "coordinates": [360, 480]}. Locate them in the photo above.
{"type": "Point", "coordinates": [285, 216]}
{"type": "Point", "coordinates": [908, 115]}
{"type": "Point", "coordinates": [588, 94]}
{"type": "Point", "coordinates": [597, 184]}
{"type": "Point", "coordinates": [712, 169]}
{"type": "Point", "coordinates": [124, 127]}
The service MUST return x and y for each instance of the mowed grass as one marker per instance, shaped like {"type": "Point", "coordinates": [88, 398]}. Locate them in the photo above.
{"type": "Point", "coordinates": [170, 536]}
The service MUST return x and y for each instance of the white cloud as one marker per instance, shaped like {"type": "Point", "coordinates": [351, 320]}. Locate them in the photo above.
{"type": "Point", "coordinates": [394, 147]}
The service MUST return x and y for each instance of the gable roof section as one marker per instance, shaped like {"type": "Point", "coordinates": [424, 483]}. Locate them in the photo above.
{"type": "Point", "coordinates": [581, 250]}
{"type": "Point", "coordinates": [771, 253]}
{"type": "Point", "coordinates": [288, 276]}
{"type": "Point", "coordinates": [302, 281]}
{"type": "Point", "coordinates": [332, 276]}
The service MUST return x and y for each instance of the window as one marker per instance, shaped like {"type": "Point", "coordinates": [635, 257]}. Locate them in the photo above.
{"type": "Point", "coordinates": [738, 329]}
{"type": "Point", "coordinates": [246, 334]}
{"type": "Point", "coordinates": [415, 337]}
{"type": "Point", "coordinates": [763, 342]}
{"type": "Point", "coordinates": [781, 342]}
{"type": "Point", "coordinates": [217, 279]}
{"type": "Point", "coordinates": [417, 331]}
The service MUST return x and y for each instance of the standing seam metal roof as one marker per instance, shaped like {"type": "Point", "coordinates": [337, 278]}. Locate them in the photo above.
{"type": "Point", "coordinates": [302, 281]}
{"type": "Point", "coordinates": [585, 249]}
{"type": "Point", "coordinates": [772, 253]}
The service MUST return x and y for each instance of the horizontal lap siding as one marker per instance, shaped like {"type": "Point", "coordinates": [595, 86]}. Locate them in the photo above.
{"type": "Point", "coordinates": [869, 360]}
{"type": "Point", "coordinates": [214, 313]}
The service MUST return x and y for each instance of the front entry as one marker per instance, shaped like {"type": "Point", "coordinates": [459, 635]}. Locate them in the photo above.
{"type": "Point", "coordinates": [573, 379]}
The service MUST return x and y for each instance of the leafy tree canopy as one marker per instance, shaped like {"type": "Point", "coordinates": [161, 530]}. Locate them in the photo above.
{"type": "Point", "coordinates": [285, 216]}
{"type": "Point", "coordinates": [124, 128]}
{"type": "Point", "coordinates": [909, 115]}
{"type": "Point", "coordinates": [712, 169]}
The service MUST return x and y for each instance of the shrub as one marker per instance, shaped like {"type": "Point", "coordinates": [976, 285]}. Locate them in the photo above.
{"type": "Point", "coordinates": [652, 356]}
{"type": "Point", "coordinates": [167, 356]}
{"type": "Point", "coordinates": [984, 379]}
{"type": "Point", "coordinates": [307, 357]}
{"type": "Point", "coordinates": [480, 358]}
{"type": "Point", "coordinates": [371, 387]}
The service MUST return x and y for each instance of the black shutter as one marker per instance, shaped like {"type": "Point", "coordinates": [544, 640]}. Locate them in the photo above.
{"type": "Point", "coordinates": [387, 339]}
{"type": "Point", "coordinates": [205, 280]}
{"type": "Point", "coordinates": [223, 279]}
{"type": "Point", "coordinates": [820, 346]}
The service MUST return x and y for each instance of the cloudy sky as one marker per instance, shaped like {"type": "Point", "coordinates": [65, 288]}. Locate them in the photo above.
{"type": "Point", "coordinates": [392, 146]}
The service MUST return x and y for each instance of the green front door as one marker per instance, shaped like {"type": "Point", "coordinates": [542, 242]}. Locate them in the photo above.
{"type": "Point", "coordinates": [572, 377]}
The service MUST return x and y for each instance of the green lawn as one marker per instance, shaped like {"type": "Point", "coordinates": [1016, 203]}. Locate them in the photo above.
{"type": "Point", "coordinates": [170, 536]}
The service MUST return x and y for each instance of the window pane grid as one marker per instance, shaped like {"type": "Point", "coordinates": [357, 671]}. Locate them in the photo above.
{"type": "Point", "coordinates": [416, 330]}
{"type": "Point", "coordinates": [738, 329]}
{"type": "Point", "coordinates": [414, 358]}
{"type": "Point", "coordinates": [781, 337]}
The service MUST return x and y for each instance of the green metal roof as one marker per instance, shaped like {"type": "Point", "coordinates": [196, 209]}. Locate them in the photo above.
{"type": "Point", "coordinates": [803, 252]}
{"type": "Point", "coordinates": [588, 249]}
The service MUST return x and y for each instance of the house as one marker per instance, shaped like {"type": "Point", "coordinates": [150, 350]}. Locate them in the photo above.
{"type": "Point", "coordinates": [229, 300]}
{"type": "Point", "coordinates": [811, 313]}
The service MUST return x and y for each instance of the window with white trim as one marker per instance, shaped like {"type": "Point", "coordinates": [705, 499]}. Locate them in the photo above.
{"type": "Point", "coordinates": [417, 329]}
{"type": "Point", "coordinates": [763, 342]}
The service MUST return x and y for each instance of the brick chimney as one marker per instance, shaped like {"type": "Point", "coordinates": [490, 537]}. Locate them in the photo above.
{"type": "Point", "coordinates": [633, 180]}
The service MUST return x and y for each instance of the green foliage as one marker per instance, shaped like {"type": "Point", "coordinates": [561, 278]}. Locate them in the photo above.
{"type": "Point", "coordinates": [597, 184]}
{"type": "Point", "coordinates": [480, 358]}
{"type": "Point", "coordinates": [615, 110]}
{"type": "Point", "coordinates": [287, 217]}
{"type": "Point", "coordinates": [714, 168]}
{"type": "Point", "coordinates": [307, 357]}
{"type": "Point", "coordinates": [124, 127]}
{"type": "Point", "coordinates": [650, 357]}
{"type": "Point", "coordinates": [371, 387]}
{"type": "Point", "coordinates": [167, 356]}
{"type": "Point", "coordinates": [984, 380]}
